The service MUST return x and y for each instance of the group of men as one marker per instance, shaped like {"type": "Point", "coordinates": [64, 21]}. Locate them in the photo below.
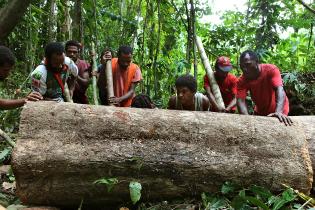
{"type": "Point", "coordinates": [63, 70]}
{"type": "Point", "coordinates": [263, 81]}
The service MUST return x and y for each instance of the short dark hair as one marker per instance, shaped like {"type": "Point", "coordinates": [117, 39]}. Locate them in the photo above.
{"type": "Point", "coordinates": [124, 50]}
{"type": "Point", "coordinates": [142, 101]}
{"type": "Point", "coordinates": [73, 43]}
{"type": "Point", "coordinates": [54, 48]}
{"type": "Point", "coordinates": [6, 56]}
{"type": "Point", "coordinates": [251, 54]}
{"type": "Point", "coordinates": [187, 81]}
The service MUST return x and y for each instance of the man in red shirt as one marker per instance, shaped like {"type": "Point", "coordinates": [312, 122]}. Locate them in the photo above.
{"type": "Point", "coordinates": [264, 83]}
{"type": "Point", "coordinates": [72, 51]}
{"type": "Point", "coordinates": [227, 83]}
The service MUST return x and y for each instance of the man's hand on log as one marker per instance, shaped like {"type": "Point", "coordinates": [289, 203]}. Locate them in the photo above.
{"type": "Point", "coordinates": [34, 96]}
{"type": "Point", "coordinates": [282, 118]}
{"type": "Point", "coordinates": [115, 100]}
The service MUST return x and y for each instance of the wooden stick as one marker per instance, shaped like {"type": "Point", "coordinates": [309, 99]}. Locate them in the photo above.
{"type": "Point", "coordinates": [109, 79]}
{"type": "Point", "coordinates": [94, 70]}
{"type": "Point", "coordinates": [214, 85]}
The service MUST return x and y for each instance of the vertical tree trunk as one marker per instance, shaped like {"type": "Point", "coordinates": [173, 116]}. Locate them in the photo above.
{"type": "Point", "coordinates": [94, 70]}
{"type": "Point", "coordinates": [193, 26]}
{"type": "Point", "coordinates": [66, 28]}
{"type": "Point", "coordinates": [95, 25]}
{"type": "Point", "coordinates": [214, 86]}
{"type": "Point", "coordinates": [52, 21]}
{"type": "Point", "coordinates": [189, 35]}
{"type": "Point", "coordinates": [10, 16]}
{"type": "Point", "coordinates": [77, 25]}
{"type": "Point", "coordinates": [157, 49]}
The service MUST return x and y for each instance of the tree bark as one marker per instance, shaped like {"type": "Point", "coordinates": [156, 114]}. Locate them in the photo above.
{"type": "Point", "coordinates": [63, 148]}
{"type": "Point", "coordinates": [10, 16]}
{"type": "Point", "coordinates": [189, 37]}
{"type": "Point", "coordinates": [193, 43]}
{"type": "Point", "coordinates": [308, 124]}
{"type": "Point", "coordinates": [214, 86]}
{"type": "Point", "coordinates": [52, 21]}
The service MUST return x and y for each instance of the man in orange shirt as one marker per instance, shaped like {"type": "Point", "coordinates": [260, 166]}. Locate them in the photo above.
{"type": "Point", "coordinates": [126, 76]}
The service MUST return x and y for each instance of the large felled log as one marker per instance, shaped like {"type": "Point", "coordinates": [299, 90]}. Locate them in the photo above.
{"type": "Point", "coordinates": [308, 124]}
{"type": "Point", "coordinates": [63, 148]}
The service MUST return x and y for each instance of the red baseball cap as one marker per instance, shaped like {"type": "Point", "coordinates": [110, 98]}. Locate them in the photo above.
{"type": "Point", "coordinates": [224, 64]}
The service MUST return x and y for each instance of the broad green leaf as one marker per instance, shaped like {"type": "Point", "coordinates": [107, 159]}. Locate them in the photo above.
{"type": "Point", "coordinates": [256, 202]}
{"type": "Point", "coordinates": [109, 182]}
{"type": "Point", "coordinates": [279, 204]}
{"type": "Point", "coordinates": [135, 191]}
{"type": "Point", "coordinates": [289, 195]}
{"type": "Point", "coordinates": [227, 188]}
{"type": "Point", "coordinates": [238, 202]}
{"type": "Point", "coordinates": [4, 153]}
{"type": "Point", "coordinates": [262, 192]}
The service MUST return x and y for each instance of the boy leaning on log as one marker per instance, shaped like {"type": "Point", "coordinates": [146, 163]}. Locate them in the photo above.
{"type": "Point", "coordinates": [7, 62]}
{"type": "Point", "coordinates": [187, 97]}
{"type": "Point", "coordinates": [264, 83]}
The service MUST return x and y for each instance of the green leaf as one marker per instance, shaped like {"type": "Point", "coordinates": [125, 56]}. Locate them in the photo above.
{"type": "Point", "coordinates": [238, 202]}
{"type": "Point", "coordinates": [289, 195]}
{"type": "Point", "coordinates": [227, 188]}
{"type": "Point", "coordinates": [260, 191]}
{"type": "Point", "coordinates": [135, 191]}
{"type": "Point", "coordinates": [213, 202]}
{"type": "Point", "coordinates": [279, 204]}
{"type": "Point", "coordinates": [109, 182]}
{"type": "Point", "coordinates": [4, 153]}
{"type": "Point", "coordinates": [256, 202]}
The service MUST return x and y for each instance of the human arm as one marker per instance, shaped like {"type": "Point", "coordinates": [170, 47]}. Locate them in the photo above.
{"type": "Point", "coordinates": [73, 75]}
{"type": "Point", "coordinates": [205, 104]}
{"type": "Point", "coordinates": [212, 99]}
{"type": "Point", "coordinates": [172, 103]}
{"type": "Point", "coordinates": [231, 105]}
{"type": "Point", "coordinates": [210, 96]}
{"type": "Point", "coordinates": [242, 107]}
{"type": "Point", "coordinates": [15, 103]}
{"type": "Point", "coordinates": [129, 94]}
{"type": "Point", "coordinates": [280, 100]}
{"type": "Point", "coordinates": [276, 82]}
{"type": "Point", "coordinates": [84, 79]}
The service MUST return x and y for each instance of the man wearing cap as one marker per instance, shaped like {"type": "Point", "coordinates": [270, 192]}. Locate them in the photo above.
{"type": "Point", "coordinates": [264, 83]}
{"type": "Point", "coordinates": [227, 83]}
